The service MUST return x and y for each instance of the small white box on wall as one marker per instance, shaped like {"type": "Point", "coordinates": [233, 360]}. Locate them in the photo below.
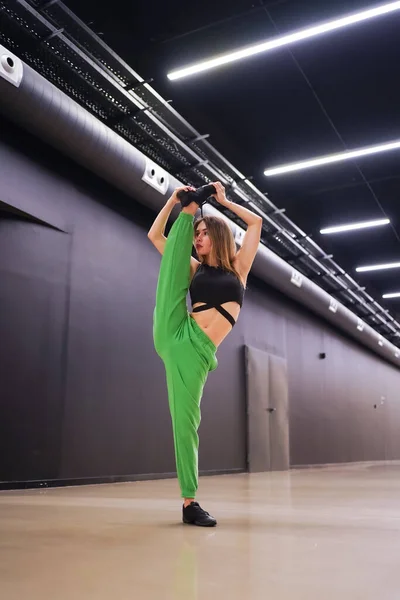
{"type": "Point", "coordinates": [156, 177]}
{"type": "Point", "coordinates": [297, 278]}
{"type": "Point", "coordinates": [11, 67]}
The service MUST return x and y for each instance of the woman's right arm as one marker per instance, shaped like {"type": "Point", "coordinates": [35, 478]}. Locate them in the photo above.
{"type": "Point", "coordinates": [156, 231]}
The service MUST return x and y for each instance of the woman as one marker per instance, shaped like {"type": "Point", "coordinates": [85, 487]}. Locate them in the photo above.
{"type": "Point", "coordinates": [187, 342]}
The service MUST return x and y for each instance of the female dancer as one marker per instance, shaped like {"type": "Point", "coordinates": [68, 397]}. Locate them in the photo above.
{"type": "Point", "coordinates": [187, 342]}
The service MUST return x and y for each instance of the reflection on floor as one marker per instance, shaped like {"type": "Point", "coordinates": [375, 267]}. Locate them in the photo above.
{"type": "Point", "coordinates": [326, 534]}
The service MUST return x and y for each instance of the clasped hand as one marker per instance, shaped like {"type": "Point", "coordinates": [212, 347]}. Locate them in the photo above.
{"type": "Point", "coordinates": [220, 195]}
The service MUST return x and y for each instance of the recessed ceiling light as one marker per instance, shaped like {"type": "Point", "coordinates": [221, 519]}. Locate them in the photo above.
{"type": "Point", "coordinates": [395, 295]}
{"type": "Point", "coordinates": [352, 226]}
{"type": "Point", "coordinates": [284, 40]}
{"type": "Point", "coordinates": [332, 158]}
{"type": "Point", "coordinates": [395, 265]}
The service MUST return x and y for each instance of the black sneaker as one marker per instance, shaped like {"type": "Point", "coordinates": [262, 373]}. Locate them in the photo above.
{"type": "Point", "coordinates": [193, 514]}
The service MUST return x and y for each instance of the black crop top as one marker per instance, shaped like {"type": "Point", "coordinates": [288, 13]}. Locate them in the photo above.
{"type": "Point", "coordinates": [214, 286]}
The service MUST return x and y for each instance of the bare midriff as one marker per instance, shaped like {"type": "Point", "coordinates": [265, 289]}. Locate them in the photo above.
{"type": "Point", "coordinates": [215, 325]}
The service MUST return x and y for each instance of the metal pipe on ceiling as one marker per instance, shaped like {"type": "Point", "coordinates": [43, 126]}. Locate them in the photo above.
{"type": "Point", "coordinates": [33, 102]}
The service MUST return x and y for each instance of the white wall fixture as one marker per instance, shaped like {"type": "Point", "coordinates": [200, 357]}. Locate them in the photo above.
{"type": "Point", "coordinates": [333, 305]}
{"type": "Point", "coordinates": [11, 68]}
{"type": "Point", "coordinates": [239, 235]}
{"type": "Point", "coordinates": [156, 176]}
{"type": "Point", "coordinates": [297, 278]}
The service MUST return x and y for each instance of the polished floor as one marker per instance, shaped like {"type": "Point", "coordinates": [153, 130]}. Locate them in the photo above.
{"type": "Point", "coordinates": [318, 534]}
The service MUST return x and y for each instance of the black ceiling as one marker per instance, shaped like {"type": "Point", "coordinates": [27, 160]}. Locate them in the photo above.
{"type": "Point", "coordinates": [320, 96]}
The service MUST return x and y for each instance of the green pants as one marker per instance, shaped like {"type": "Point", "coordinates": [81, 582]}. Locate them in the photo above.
{"type": "Point", "coordinates": [187, 352]}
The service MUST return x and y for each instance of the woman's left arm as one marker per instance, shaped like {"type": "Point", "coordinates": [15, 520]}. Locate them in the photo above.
{"type": "Point", "coordinates": [245, 256]}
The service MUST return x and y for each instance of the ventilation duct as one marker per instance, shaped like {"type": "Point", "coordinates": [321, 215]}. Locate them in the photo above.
{"type": "Point", "coordinates": [33, 102]}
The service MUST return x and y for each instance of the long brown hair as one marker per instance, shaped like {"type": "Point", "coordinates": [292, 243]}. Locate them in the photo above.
{"type": "Point", "coordinates": [223, 249]}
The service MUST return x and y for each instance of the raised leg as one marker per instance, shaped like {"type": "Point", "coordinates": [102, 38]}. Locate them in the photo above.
{"type": "Point", "coordinates": [173, 281]}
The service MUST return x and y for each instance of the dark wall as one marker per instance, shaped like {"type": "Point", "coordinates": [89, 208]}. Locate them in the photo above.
{"type": "Point", "coordinates": [82, 391]}
{"type": "Point", "coordinates": [344, 408]}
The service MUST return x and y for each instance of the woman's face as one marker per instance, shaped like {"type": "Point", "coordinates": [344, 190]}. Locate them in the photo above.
{"type": "Point", "coordinates": [202, 241]}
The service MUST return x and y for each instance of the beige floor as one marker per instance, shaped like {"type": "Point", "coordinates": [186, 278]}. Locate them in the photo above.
{"type": "Point", "coordinates": [310, 534]}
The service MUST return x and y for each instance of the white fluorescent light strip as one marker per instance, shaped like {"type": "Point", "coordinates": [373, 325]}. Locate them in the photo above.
{"type": "Point", "coordinates": [284, 40]}
{"type": "Point", "coordinates": [396, 295]}
{"type": "Point", "coordinates": [379, 267]}
{"type": "Point", "coordinates": [332, 158]}
{"type": "Point", "coordinates": [353, 226]}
